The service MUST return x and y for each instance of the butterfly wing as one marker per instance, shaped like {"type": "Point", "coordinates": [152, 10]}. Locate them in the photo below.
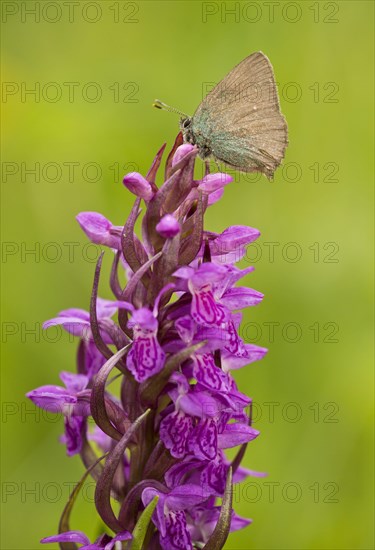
{"type": "Point", "coordinates": [240, 120]}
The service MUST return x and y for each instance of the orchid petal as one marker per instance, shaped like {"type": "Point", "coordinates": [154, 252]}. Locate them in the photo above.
{"type": "Point", "coordinates": [175, 430]}
{"type": "Point", "coordinates": [236, 434]}
{"type": "Point", "coordinates": [69, 536]}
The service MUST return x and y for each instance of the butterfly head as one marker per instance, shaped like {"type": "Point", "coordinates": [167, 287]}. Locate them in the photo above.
{"type": "Point", "coordinates": [185, 127]}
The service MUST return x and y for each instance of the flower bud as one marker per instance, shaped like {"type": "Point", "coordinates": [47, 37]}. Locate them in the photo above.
{"type": "Point", "coordinates": [213, 182]}
{"type": "Point", "coordinates": [168, 227]}
{"type": "Point", "coordinates": [181, 152]}
{"type": "Point", "coordinates": [138, 185]}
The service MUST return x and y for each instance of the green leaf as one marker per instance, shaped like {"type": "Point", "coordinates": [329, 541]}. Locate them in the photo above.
{"type": "Point", "coordinates": [142, 525]}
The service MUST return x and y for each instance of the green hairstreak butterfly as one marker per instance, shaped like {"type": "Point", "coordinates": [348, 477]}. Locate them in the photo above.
{"type": "Point", "coordinates": [239, 122]}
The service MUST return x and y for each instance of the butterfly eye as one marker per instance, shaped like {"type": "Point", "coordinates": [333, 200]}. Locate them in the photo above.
{"type": "Point", "coordinates": [186, 122]}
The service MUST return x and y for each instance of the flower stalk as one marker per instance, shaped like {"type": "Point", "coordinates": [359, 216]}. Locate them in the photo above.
{"type": "Point", "coordinates": [163, 439]}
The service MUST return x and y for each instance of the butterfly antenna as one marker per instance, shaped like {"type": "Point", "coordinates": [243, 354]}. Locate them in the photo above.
{"type": "Point", "coordinates": [160, 105]}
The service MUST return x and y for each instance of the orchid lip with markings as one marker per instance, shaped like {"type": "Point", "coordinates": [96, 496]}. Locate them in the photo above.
{"type": "Point", "coordinates": [170, 336]}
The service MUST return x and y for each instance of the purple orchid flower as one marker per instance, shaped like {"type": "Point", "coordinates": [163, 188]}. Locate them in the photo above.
{"type": "Point", "coordinates": [205, 310]}
{"type": "Point", "coordinates": [99, 230]}
{"type": "Point", "coordinates": [230, 246]}
{"type": "Point", "coordinates": [104, 542]}
{"type": "Point", "coordinates": [202, 520]}
{"type": "Point", "coordinates": [146, 356]}
{"type": "Point", "coordinates": [175, 343]}
{"type": "Point", "coordinates": [66, 400]}
{"type": "Point", "coordinates": [170, 518]}
{"type": "Point", "coordinates": [177, 428]}
{"type": "Point", "coordinates": [71, 401]}
{"type": "Point", "coordinates": [77, 321]}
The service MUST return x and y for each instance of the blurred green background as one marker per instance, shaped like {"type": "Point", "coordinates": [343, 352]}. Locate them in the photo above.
{"type": "Point", "coordinates": [313, 393]}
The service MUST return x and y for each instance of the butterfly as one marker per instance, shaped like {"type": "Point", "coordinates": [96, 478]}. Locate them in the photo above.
{"type": "Point", "coordinates": [239, 122]}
